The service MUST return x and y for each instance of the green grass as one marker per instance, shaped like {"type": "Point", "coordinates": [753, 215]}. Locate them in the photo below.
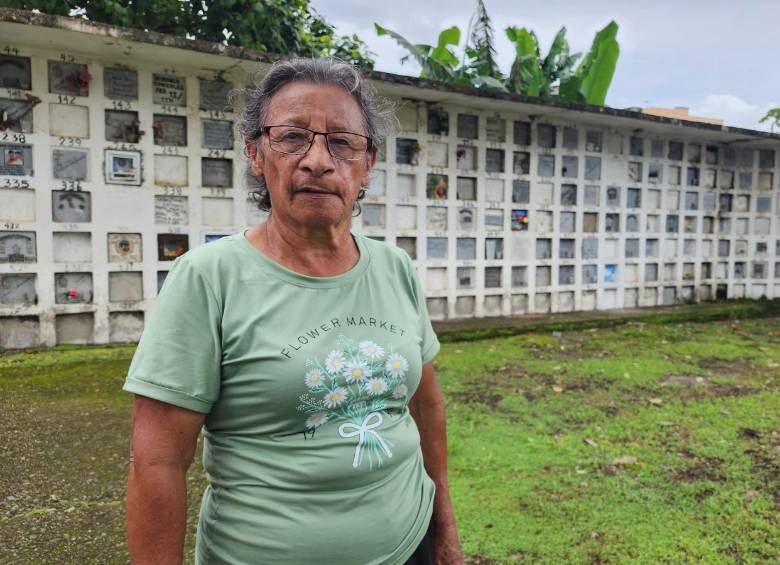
{"type": "Point", "coordinates": [565, 447]}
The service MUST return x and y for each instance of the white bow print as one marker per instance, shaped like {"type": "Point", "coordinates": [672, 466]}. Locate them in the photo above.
{"type": "Point", "coordinates": [371, 421]}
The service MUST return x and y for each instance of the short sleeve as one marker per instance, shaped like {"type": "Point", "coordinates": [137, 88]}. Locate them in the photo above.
{"type": "Point", "coordinates": [430, 343]}
{"type": "Point", "coordinates": [178, 359]}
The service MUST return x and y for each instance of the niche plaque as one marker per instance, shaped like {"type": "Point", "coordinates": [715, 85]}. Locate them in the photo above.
{"type": "Point", "coordinates": [124, 248]}
{"type": "Point", "coordinates": [120, 84]}
{"type": "Point", "coordinates": [70, 164]}
{"type": "Point", "coordinates": [15, 72]}
{"type": "Point", "coordinates": [214, 95]}
{"type": "Point", "coordinates": [71, 79]}
{"type": "Point", "coordinates": [17, 247]}
{"type": "Point", "coordinates": [169, 90]}
{"type": "Point", "coordinates": [217, 134]}
{"type": "Point", "coordinates": [16, 160]}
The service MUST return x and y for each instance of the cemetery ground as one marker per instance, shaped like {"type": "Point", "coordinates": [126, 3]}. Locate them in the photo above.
{"type": "Point", "coordinates": [643, 443]}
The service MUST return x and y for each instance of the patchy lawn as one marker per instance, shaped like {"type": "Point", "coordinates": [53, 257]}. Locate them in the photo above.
{"type": "Point", "coordinates": [643, 443]}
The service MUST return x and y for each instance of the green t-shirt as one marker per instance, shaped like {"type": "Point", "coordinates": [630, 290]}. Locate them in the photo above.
{"type": "Point", "coordinates": [311, 453]}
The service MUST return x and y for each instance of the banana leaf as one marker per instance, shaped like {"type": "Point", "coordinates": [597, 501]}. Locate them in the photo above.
{"type": "Point", "coordinates": [416, 51]}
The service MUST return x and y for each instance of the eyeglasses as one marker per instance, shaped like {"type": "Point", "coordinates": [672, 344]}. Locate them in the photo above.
{"type": "Point", "coordinates": [294, 140]}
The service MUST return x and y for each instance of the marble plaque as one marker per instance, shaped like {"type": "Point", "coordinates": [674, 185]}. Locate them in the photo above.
{"type": "Point", "coordinates": [494, 248]}
{"type": "Point", "coordinates": [124, 248]}
{"type": "Point", "coordinates": [466, 249]}
{"type": "Point", "coordinates": [569, 166]}
{"type": "Point", "coordinates": [468, 126]}
{"type": "Point", "coordinates": [543, 248]}
{"type": "Point", "coordinates": [170, 130]}
{"type": "Point", "coordinates": [494, 160]}
{"type": "Point", "coordinates": [217, 134]}
{"type": "Point", "coordinates": [406, 217]}
{"type": "Point", "coordinates": [494, 190]}
{"type": "Point", "coordinates": [74, 328]}
{"type": "Point", "coordinates": [466, 188]}
{"type": "Point", "coordinates": [70, 164]}
{"type": "Point", "coordinates": [466, 157]}
{"type": "Point", "coordinates": [495, 129]}
{"type": "Point", "coordinates": [17, 289]}
{"type": "Point", "coordinates": [169, 90]}
{"type": "Point", "coordinates": [217, 172]}
{"type": "Point", "coordinates": [125, 326]}
{"type": "Point", "coordinates": [546, 136]}
{"type": "Point", "coordinates": [545, 166]}
{"type": "Point", "coordinates": [171, 245]}
{"type": "Point", "coordinates": [15, 72]}
{"type": "Point", "coordinates": [408, 244]}
{"type": "Point", "coordinates": [217, 212]}
{"type": "Point", "coordinates": [568, 195]}
{"type": "Point", "coordinates": [17, 205]}
{"type": "Point", "coordinates": [436, 218]}
{"type": "Point", "coordinates": [521, 163]}
{"type": "Point", "coordinates": [436, 187]}
{"type": "Point", "coordinates": [571, 138]}
{"type": "Point", "coordinates": [377, 183]}
{"type": "Point", "coordinates": [68, 120]}
{"type": "Point", "coordinates": [405, 186]}
{"type": "Point", "coordinates": [521, 133]}
{"type": "Point", "coordinates": [592, 168]}
{"type": "Point", "coordinates": [124, 286]}
{"type": "Point", "coordinates": [521, 191]}
{"type": "Point", "coordinates": [16, 115]}
{"type": "Point", "coordinates": [594, 141]}
{"type": "Point", "coordinates": [436, 279]}
{"type": "Point", "coordinates": [16, 160]}
{"type": "Point", "coordinates": [71, 79]}
{"type": "Point", "coordinates": [492, 304]}
{"type": "Point", "coordinates": [407, 117]}
{"type": "Point", "coordinates": [567, 222]}
{"type": "Point", "coordinates": [438, 154]}
{"type": "Point", "coordinates": [464, 305]}
{"type": "Point", "coordinates": [17, 247]}
{"type": "Point", "coordinates": [438, 122]}
{"type": "Point", "coordinates": [120, 84]}
{"type": "Point", "coordinates": [73, 288]}
{"type": "Point", "coordinates": [373, 215]}
{"type": "Point", "coordinates": [72, 247]}
{"type": "Point", "coordinates": [170, 170]}
{"type": "Point", "coordinates": [465, 277]}
{"type": "Point", "coordinates": [123, 167]}
{"type": "Point", "coordinates": [122, 126]}
{"type": "Point", "coordinates": [71, 206]}
{"type": "Point", "coordinates": [214, 95]}
{"type": "Point", "coordinates": [494, 219]}
{"type": "Point", "coordinates": [466, 219]}
{"type": "Point", "coordinates": [406, 151]}
{"type": "Point", "coordinates": [171, 210]}
{"type": "Point", "coordinates": [436, 247]}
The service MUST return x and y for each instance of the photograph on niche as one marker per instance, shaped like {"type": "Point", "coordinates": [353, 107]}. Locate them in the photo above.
{"type": "Point", "coordinates": [123, 167]}
{"type": "Point", "coordinates": [14, 157]}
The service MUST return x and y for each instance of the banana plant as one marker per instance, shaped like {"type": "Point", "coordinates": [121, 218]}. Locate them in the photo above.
{"type": "Point", "coordinates": [590, 81]}
{"type": "Point", "coordinates": [437, 62]}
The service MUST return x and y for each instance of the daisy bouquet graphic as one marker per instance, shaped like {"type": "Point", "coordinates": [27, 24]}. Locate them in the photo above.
{"type": "Point", "coordinates": [353, 385]}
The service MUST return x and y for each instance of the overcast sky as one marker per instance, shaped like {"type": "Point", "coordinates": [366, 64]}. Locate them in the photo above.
{"type": "Point", "coordinates": [720, 58]}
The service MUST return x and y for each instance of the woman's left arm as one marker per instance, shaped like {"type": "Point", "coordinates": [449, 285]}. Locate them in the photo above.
{"type": "Point", "coordinates": [427, 409]}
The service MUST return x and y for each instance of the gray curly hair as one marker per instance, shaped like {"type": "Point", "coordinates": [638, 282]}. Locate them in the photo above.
{"type": "Point", "coordinates": [378, 116]}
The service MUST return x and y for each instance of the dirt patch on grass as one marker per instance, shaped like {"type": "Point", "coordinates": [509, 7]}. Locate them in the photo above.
{"type": "Point", "coordinates": [684, 380]}
{"type": "Point", "coordinates": [701, 468]}
{"type": "Point", "coordinates": [725, 367]}
{"type": "Point", "coordinates": [764, 453]}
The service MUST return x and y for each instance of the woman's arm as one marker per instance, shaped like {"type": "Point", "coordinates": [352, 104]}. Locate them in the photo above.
{"type": "Point", "coordinates": [427, 408]}
{"type": "Point", "coordinates": [163, 442]}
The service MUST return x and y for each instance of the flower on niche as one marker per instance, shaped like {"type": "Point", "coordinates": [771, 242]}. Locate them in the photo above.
{"type": "Point", "coordinates": [397, 365]}
{"type": "Point", "coordinates": [316, 420]}
{"type": "Point", "coordinates": [356, 372]}
{"type": "Point", "coordinates": [314, 378]}
{"type": "Point", "coordinates": [335, 362]}
{"type": "Point", "coordinates": [335, 397]}
{"type": "Point", "coordinates": [72, 293]}
{"type": "Point", "coordinates": [371, 350]}
{"type": "Point", "coordinates": [400, 391]}
{"type": "Point", "coordinates": [376, 386]}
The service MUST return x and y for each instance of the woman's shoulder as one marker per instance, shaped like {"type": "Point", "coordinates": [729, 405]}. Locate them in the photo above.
{"type": "Point", "coordinates": [215, 258]}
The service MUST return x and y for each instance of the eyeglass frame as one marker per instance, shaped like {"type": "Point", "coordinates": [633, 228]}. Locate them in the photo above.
{"type": "Point", "coordinates": [264, 130]}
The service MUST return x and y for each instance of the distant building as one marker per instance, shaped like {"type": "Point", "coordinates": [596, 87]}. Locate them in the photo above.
{"type": "Point", "coordinates": [680, 113]}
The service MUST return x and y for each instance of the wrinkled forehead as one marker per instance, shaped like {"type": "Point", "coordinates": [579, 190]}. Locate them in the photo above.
{"type": "Point", "coordinates": [315, 106]}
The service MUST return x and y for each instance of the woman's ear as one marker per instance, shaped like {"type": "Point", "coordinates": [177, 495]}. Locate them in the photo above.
{"type": "Point", "coordinates": [255, 155]}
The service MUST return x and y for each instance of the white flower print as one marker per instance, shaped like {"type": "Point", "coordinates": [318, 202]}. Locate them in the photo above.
{"type": "Point", "coordinates": [376, 386]}
{"type": "Point", "coordinates": [371, 350]}
{"type": "Point", "coordinates": [314, 378]}
{"type": "Point", "coordinates": [356, 372]}
{"type": "Point", "coordinates": [397, 365]}
{"type": "Point", "coordinates": [400, 391]}
{"type": "Point", "coordinates": [336, 397]}
{"type": "Point", "coordinates": [316, 420]}
{"type": "Point", "coordinates": [335, 362]}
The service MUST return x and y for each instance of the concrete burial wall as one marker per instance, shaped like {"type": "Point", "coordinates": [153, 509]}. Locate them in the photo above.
{"type": "Point", "coordinates": [118, 153]}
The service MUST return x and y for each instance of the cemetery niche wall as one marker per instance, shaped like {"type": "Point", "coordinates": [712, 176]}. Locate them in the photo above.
{"type": "Point", "coordinates": [111, 166]}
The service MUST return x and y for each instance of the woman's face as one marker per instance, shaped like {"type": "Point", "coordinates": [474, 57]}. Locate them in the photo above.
{"type": "Point", "coordinates": [314, 189]}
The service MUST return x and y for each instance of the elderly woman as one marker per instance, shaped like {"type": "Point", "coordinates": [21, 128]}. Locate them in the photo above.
{"type": "Point", "coordinates": [304, 352]}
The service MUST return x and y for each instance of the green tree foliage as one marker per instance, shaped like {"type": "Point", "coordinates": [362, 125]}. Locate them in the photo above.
{"type": "Point", "coordinates": [773, 117]}
{"type": "Point", "coordinates": [279, 26]}
{"type": "Point", "coordinates": [553, 75]}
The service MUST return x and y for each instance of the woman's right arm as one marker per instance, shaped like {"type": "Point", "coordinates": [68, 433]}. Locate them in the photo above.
{"type": "Point", "coordinates": [163, 442]}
